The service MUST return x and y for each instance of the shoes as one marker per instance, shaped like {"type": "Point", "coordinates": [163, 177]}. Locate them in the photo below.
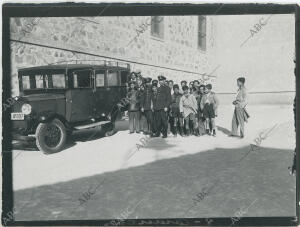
{"type": "Point", "coordinates": [131, 132]}
{"type": "Point", "coordinates": [214, 132]}
{"type": "Point", "coordinates": [164, 136]}
{"type": "Point", "coordinates": [207, 131]}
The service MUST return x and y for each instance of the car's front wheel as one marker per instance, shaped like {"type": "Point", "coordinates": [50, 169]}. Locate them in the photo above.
{"type": "Point", "coordinates": [51, 137]}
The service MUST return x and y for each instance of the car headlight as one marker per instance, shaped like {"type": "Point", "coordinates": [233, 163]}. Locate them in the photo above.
{"type": "Point", "coordinates": [26, 108]}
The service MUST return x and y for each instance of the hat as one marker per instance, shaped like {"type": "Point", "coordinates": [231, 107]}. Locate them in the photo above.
{"type": "Point", "coordinates": [161, 78]}
{"type": "Point", "coordinates": [175, 86]}
{"type": "Point", "coordinates": [241, 79]}
{"type": "Point", "coordinates": [209, 86]}
{"type": "Point", "coordinates": [154, 81]}
{"type": "Point", "coordinates": [148, 80]}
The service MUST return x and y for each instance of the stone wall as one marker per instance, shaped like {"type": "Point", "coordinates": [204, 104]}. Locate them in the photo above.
{"type": "Point", "coordinates": [50, 40]}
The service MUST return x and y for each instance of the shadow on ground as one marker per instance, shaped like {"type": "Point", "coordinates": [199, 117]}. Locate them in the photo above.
{"type": "Point", "coordinates": [260, 183]}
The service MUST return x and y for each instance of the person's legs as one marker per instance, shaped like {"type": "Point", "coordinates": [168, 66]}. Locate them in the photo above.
{"type": "Point", "coordinates": [240, 120]}
{"type": "Point", "coordinates": [137, 121]}
{"type": "Point", "coordinates": [158, 122]}
{"type": "Point", "coordinates": [187, 125]}
{"type": "Point", "coordinates": [213, 125]}
{"type": "Point", "coordinates": [164, 122]}
{"type": "Point", "coordinates": [234, 124]}
{"type": "Point", "coordinates": [148, 115]}
{"type": "Point", "coordinates": [201, 126]}
{"type": "Point", "coordinates": [195, 124]}
{"type": "Point", "coordinates": [154, 124]}
{"type": "Point", "coordinates": [174, 125]}
{"type": "Point", "coordinates": [131, 121]}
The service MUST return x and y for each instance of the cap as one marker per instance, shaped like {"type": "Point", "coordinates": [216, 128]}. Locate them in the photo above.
{"type": "Point", "coordinates": [161, 78]}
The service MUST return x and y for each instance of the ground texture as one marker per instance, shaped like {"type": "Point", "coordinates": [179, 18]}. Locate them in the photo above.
{"type": "Point", "coordinates": [113, 177]}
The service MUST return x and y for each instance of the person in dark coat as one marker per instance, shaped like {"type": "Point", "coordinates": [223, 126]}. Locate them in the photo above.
{"type": "Point", "coordinates": [146, 105]}
{"type": "Point", "coordinates": [134, 108]}
{"type": "Point", "coordinates": [161, 103]}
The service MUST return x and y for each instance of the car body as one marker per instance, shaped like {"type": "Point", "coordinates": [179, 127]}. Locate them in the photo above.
{"type": "Point", "coordinates": [67, 97]}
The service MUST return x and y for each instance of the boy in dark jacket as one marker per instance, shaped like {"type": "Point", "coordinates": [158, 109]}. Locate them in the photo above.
{"type": "Point", "coordinates": [175, 111]}
{"type": "Point", "coordinates": [134, 108]}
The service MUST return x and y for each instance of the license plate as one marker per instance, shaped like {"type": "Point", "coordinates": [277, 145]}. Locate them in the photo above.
{"type": "Point", "coordinates": [17, 116]}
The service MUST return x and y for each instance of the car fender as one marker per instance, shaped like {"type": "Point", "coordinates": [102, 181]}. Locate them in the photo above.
{"type": "Point", "coordinates": [48, 116]}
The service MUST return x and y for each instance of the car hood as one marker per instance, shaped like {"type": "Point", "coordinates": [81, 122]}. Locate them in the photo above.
{"type": "Point", "coordinates": [41, 97]}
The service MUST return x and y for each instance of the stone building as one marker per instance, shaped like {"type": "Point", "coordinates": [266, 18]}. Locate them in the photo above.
{"type": "Point", "coordinates": [217, 49]}
{"type": "Point", "coordinates": [178, 47]}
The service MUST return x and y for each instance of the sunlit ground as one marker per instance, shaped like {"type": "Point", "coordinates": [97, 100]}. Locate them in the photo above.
{"type": "Point", "coordinates": [162, 179]}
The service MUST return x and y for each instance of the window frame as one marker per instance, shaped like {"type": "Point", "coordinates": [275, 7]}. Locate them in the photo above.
{"type": "Point", "coordinates": [118, 78]}
{"type": "Point", "coordinates": [160, 23]}
{"type": "Point", "coordinates": [202, 35]}
{"type": "Point", "coordinates": [91, 79]}
{"type": "Point", "coordinates": [95, 73]}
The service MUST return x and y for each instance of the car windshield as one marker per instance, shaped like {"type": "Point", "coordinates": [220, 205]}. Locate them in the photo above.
{"type": "Point", "coordinates": [45, 81]}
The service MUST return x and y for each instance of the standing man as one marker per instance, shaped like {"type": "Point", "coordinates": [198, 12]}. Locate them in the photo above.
{"type": "Point", "coordinates": [240, 115]}
{"type": "Point", "coordinates": [161, 105]}
{"type": "Point", "coordinates": [146, 105]}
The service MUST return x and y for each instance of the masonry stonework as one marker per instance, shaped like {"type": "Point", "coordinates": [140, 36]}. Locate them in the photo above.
{"type": "Point", "coordinates": [51, 40]}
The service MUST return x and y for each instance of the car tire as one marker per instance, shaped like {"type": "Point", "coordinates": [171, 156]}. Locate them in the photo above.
{"type": "Point", "coordinates": [51, 137]}
{"type": "Point", "coordinates": [110, 131]}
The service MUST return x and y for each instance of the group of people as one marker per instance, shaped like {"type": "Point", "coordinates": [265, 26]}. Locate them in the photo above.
{"type": "Point", "coordinates": [160, 107]}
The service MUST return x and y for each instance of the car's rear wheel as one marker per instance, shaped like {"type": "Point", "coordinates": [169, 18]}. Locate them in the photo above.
{"type": "Point", "coordinates": [51, 137]}
{"type": "Point", "coordinates": [110, 129]}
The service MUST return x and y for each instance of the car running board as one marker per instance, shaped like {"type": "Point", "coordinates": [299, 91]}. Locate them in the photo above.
{"type": "Point", "coordinates": [91, 125]}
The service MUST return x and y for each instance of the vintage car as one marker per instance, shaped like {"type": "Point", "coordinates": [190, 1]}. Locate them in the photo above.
{"type": "Point", "coordinates": [57, 99]}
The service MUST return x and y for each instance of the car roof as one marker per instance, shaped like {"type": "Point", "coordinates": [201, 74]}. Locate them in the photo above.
{"type": "Point", "coordinates": [70, 66]}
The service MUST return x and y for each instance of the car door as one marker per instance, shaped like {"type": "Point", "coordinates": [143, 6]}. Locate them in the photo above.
{"type": "Point", "coordinates": [113, 90]}
{"type": "Point", "coordinates": [80, 99]}
{"type": "Point", "coordinates": [100, 93]}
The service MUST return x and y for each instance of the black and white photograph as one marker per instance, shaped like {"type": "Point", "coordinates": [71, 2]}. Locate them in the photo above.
{"type": "Point", "coordinates": [152, 116]}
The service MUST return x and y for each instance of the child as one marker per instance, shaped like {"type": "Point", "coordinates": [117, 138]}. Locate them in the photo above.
{"type": "Point", "coordinates": [209, 104]}
{"type": "Point", "coordinates": [188, 109]}
{"type": "Point", "coordinates": [134, 108]}
{"type": "Point", "coordinates": [175, 111]}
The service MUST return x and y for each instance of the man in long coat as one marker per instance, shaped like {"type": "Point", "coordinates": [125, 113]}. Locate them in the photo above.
{"type": "Point", "coordinates": [161, 103]}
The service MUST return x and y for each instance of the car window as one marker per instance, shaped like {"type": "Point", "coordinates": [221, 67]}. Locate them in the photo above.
{"type": "Point", "coordinates": [25, 82]}
{"type": "Point", "coordinates": [124, 75]}
{"type": "Point", "coordinates": [82, 79]}
{"type": "Point", "coordinates": [58, 81]}
{"type": "Point", "coordinates": [39, 81]}
{"type": "Point", "coordinates": [112, 78]}
{"type": "Point", "coordinates": [100, 78]}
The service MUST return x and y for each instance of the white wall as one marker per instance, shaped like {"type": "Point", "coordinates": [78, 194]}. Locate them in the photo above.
{"type": "Point", "coordinates": [265, 60]}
